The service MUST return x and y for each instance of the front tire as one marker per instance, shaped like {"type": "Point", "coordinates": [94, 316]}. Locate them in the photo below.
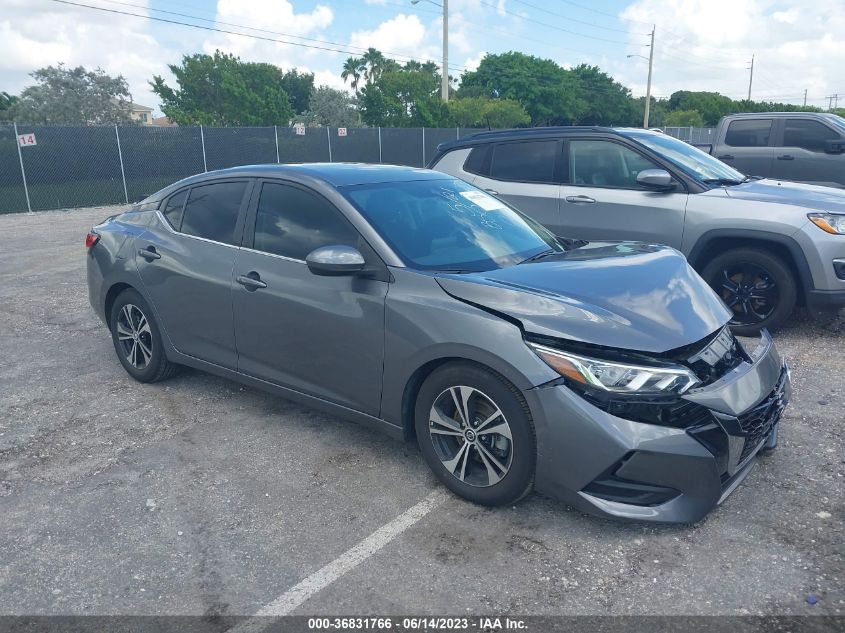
{"type": "Point", "coordinates": [476, 434]}
{"type": "Point", "coordinates": [758, 287]}
{"type": "Point", "coordinates": [137, 339]}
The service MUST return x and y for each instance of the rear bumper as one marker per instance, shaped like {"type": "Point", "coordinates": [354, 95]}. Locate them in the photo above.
{"type": "Point", "coordinates": [623, 469]}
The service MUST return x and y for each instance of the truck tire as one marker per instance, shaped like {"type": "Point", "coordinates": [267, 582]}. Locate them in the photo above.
{"type": "Point", "coordinates": [757, 286]}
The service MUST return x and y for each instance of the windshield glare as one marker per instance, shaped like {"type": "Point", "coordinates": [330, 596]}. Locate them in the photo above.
{"type": "Point", "coordinates": [449, 225]}
{"type": "Point", "coordinates": [693, 161]}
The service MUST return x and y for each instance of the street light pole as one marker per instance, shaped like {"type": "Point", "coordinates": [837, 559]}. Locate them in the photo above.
{"type": "Point", "coordinates": [444, 79]}
{"type": "Point", "coordinates": [648, 85]}
{"type": "Point", "coordinates": [444, 75]}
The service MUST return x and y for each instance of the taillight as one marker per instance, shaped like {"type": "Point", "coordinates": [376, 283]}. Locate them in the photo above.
{"type": "Point", "coordinates": [91, 239]}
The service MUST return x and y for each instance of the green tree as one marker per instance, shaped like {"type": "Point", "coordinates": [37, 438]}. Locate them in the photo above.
{"type": "Point", "coordinates": [331, 108]}
{"type": "Point", "coordinates": [6, 103]}
{"type": "Point", "coordinates": [220, 89]}
{"type": "Point", "coordinates": [711, 105]}
{"type": "Point", "coordinates": [607, 102]}
{"type": "Point", "coordinates": [484, 111]}
{"type": "Point", "coordinates": [683, 118]}
{"type": "Point", "coordinates": [404, 96]}
{"type": "Point", "coordinates": [353, 70]}
{"type": "Point", "coordinates": [298, 86]}
{"type": "Point", "coordinates": [73, 96]}
{"type": "Point", "coordinates": [550, 94]}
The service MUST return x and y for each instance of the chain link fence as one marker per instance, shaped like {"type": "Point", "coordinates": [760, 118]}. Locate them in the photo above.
{"type": "Point", "coordinates": [691, 134]}
{"type": "Point", "coordinates": [59, 167]}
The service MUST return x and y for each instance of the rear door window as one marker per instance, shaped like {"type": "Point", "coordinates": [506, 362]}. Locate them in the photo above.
{"type": "Point", "coordinates": [749, 133]}
{"type": "Point", "coordinates": [212, 211]}
{"type": "Point", "coordinates": [527, 161]}
{"type": "Point", "coordinates": [807, 134]}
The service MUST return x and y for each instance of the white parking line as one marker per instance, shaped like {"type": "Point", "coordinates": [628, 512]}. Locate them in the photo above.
{"type": "Point", "coordinates": [351, 558]}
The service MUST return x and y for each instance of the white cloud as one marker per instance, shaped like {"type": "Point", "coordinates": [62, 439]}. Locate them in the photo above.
{"type": "Point", "coordinates": [120, 45]}
{"type": "Point", "coordinates": [400, 35]}
{"type": "Point", "coordinates": [707, 44]}
{"type": "Point", "coordinates": [471, 63]}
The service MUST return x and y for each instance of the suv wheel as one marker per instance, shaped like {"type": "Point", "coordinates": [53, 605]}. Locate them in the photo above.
{"type": "Point", "coordinates": [137, 340]}
{"type": "Point", "coordinates": [475, 432]}
{"type": "Point", "coordinates": [758, 287]}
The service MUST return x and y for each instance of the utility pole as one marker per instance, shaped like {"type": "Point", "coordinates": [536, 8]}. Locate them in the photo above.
{"type": "Point", "coordinates": [444, 80]}
{"type": "Point", "coordinates": [833, 101]}
{"type": "Point", "coordinates": [751, 77]}
{"type": "Point", "coordinates": [648, 85]}
{"type": "Point", "coordinates": [444, 75]}
{"type": "Point", "coordinates": [805, 97]}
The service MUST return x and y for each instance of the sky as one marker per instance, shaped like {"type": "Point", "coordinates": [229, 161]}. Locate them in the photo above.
{"type": "Point", "coordinates": [797, 45]}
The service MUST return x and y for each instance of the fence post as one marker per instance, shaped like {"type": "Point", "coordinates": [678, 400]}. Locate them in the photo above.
{"type": "Point", "coordinates": [379, 145]}
{"type": "Point", "coordinates": [23, 171]}
{"type": "Point", "coordinates": [329, 139]}
{"type": "Point", "coordinates": [276, 134]}
{"type": "Point", "coordinates": [458, 133]}
{"type": "Point", "coordinates": [120, 156]}
{"type": "Point", "coordinates": [202, 140]}
{"type": "Point", "coordinates": [423, 145]}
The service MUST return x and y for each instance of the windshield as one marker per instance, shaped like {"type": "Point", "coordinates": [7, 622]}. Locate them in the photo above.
{"type": "Point", "coordinates": [448, 225]}
{"type": "Point", "coordinates": [692, 160]}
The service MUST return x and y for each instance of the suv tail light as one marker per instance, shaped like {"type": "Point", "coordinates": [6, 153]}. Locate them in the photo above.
{"type": "Point", "coordinates": [92, 238]}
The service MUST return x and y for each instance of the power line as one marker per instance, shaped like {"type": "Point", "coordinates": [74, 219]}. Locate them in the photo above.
{"type": "Point", "coordinates": [334, 48]}
{"type": "Point", "coordinates": [571, 19]}
{"type": "Point", "coordinates": [550, 26]}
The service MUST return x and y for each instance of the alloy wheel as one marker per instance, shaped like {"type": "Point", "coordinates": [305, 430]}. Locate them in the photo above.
{"type": "Point", "coordinates": [750, 292]}
{"type": "Point", "coordinates": [134, 336]}
{"type": "Point", "coordinates": [471, 436]}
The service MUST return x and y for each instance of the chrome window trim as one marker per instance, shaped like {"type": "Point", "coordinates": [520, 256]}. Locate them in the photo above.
{"type": "Point", "coordinates": [284, 257]}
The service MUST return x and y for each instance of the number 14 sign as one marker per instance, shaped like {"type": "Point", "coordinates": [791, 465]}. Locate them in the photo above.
{"type": "Point", "coordinates": [25, 140]}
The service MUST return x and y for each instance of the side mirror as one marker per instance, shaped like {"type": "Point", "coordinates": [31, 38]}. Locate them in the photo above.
{"type": "Point", "coordinates": [657, 179]}
{"type": "Point", "coordinates": [335, 260]}
{"type": "Point", "coordinates": [834, 146]}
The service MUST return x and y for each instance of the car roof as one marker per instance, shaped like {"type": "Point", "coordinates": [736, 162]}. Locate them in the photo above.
{"type": "Point", "coordinates": [334, 174]}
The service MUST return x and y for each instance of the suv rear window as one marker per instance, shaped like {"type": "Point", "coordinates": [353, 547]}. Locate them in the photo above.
{"type": "Point", "coordinates": [477, 162]}
{"type": "Point", "coordinates": [526, 161]}
{"type": "Point", "coordinates": [749, 133]}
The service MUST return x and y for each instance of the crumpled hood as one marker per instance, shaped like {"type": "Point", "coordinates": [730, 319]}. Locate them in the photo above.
{"type": "Point", "coordinates": [813, 197]}
{"type": "Point", "coordinates": [628, 295]}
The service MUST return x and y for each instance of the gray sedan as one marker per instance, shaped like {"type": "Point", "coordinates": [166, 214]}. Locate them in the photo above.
{"type": "Point", "coordinates": [404, 299]}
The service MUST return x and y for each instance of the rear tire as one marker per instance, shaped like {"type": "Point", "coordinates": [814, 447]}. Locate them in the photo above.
{"type": "Point", "coordinates": [137, 339]}
{"type": "Point", "coordinates": [758, 287]}
{"type": "Point", "coordinates": [475, 432]}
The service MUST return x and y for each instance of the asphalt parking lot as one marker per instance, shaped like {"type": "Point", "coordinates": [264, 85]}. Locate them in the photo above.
{"type": "Point", "coordinates": [199, 496]}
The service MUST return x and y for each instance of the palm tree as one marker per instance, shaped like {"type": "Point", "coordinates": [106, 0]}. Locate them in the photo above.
{"type": "Point", "coordinates": [353, 68]}
{"type": "Point", "coordinates": [374, 63]}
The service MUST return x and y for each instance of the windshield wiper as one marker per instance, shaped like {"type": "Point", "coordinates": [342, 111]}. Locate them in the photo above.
{"type": "Point", "coordinates": [727, 182]}
{"type": "Point", "coordinates": [541, 255]}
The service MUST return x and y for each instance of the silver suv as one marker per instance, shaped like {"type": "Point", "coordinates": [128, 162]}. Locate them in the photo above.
{"type": "Point", "coordinates": [763, 245]}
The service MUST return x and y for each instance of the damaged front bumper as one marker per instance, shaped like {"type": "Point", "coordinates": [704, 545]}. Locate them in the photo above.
{"type": "Point", "coordinates": [624, 469]}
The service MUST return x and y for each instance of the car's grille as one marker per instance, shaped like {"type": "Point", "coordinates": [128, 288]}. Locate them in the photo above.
{"type": "Point", "coordinates": [712, 360]}
{"type": "Point", "coordinates": [756, 423]}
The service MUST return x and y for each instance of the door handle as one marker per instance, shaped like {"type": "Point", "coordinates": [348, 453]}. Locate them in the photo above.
{"type": "Point", "coordinates": [786, 157]}
{"type": "Point", "coordinates": [580, 199]}
{"type": "Point", "coordinates": [251, 281]}
{"type": "Point", "coordinates": [726, 157]}
{"type": "Point", "coordinates": [149, 253]}
{"type": "Point", "coordinates": [492, 191]}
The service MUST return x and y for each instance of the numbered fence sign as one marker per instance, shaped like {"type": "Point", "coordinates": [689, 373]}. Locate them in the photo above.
{"type": "Point", "coordinates": [25, 140]}
{"type": "Point", "coordinates": [299, 130]}
{"type": "Point", "coordinates": [341, 131]}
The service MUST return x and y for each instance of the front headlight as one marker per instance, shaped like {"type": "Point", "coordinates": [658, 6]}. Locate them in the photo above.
{"type": "Point", "coordinates": [617, 377]}
{"type": "Point", "coordinates": [829, 222]}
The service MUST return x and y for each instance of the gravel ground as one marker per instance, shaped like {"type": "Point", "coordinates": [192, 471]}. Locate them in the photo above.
{"type": "Point", "coordinates": [199, 496]}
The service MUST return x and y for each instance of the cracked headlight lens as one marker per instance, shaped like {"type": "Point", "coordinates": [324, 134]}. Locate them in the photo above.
{"type": "Point", "coordinates": [617, 377]}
